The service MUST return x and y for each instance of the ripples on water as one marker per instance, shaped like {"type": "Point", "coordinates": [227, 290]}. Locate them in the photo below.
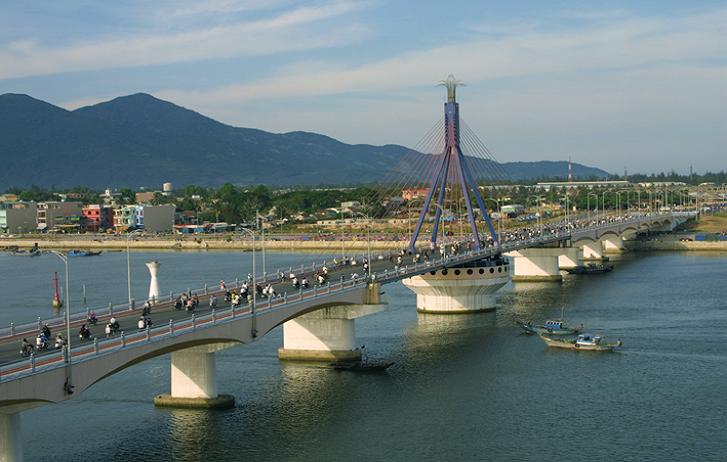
{"type": "Point", "coordinates": [463, 387]}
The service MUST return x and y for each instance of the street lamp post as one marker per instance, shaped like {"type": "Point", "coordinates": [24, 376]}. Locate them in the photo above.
{"type": "Point", "coordinates": [254, 281]}
{"type": "Point", "coordinates": [603, 199]}
{"type": "Point", "coordinates": [64, 259]}
{"type": "Point", "coordinates": [128, 262]}
{"type": "Point", "coordinates": [368, 238]}
{"type": "Point", "coordinates": [259, 219]}
{"type": "Point", "coordinates": [588, 204]}
{"type": "Point", "coordinates": [499, 213]}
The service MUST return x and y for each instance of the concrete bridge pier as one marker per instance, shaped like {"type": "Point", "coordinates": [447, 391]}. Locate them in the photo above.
{"type": "Point", "coordinates": [193, 378]}
{"type": "Point", "coordinates": [537, 265]}
{"type": "Point", "coordinates": [458, 290]}
{"type": "Point", "coordinates": [569, 258]}
{"type": "Point", "coordinates": [328, 334]}
{"type": "Point", "coordinates": [592, 250]}
{"type": "Point", "coordinates": [612, 244]}
{"type": "Point", "coordinates": [11, 441]}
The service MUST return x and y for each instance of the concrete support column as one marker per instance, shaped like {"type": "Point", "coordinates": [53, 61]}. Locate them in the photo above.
{"type": "Point", "coordinates": [328, 334]}
{"type": "Point", "coordinates": [570, 258]}
{"type": "Point", "coordinates": [11, 441]}
{"type": "Point", "coordinates": [154, 282]}
{"type": "Point", "coordinates": [592, 251]}
{"type": "Point", "coordinates": [536, 265]}
{"type": "Point", "coordinates": [194, 381]}
{"type": "Point", "coordinates": [612, 244]}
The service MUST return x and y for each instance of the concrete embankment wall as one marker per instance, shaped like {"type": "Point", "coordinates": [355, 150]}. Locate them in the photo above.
{"type": "Point", "coordinates": [201, 244]}
{"type": "Point", "coordinates": [673, 245]}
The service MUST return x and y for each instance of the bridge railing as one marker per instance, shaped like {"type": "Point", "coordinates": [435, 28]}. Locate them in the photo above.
{"type": "Point", "coordinates": [101, 346]}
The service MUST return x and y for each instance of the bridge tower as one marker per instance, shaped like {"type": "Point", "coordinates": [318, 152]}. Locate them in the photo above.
{"type": "Point", "coordinates": [466, 288]}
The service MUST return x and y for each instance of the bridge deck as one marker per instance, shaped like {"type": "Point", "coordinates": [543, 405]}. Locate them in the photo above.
{"type": "Point", "coordinates": [384, 270]}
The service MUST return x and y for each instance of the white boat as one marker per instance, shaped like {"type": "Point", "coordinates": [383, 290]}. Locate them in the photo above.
{"type": "Point", "coordinates": [584, 342]}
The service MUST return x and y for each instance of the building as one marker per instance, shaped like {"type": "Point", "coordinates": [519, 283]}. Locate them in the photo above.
{"type": "Point", "coordinates": [150, 218]}
{"type": "Point", "coordinates": [512, 209]}
{"type": "Point", "coordinates": [414, 193]}
{"type": "Point", "coordinates": [547, 186]}
{"type": "Point", "coordinates": [350, 206]}
{"type": "Point", "coordinates": [63, 215]}
{"type": "Point", "coordinates": [158, 218]}
{"type": "Point", "coordinates": [97, 217]}
{"type": "Point", "coordinates": [18, 217]}
{"type": "Point", "coordinates": [144, 197]}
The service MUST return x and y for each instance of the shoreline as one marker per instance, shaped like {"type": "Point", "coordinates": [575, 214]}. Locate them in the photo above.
{"type": "Point", "coordinates": [198, 244]}
{"type": "Point", "coordinates": [293, 246]}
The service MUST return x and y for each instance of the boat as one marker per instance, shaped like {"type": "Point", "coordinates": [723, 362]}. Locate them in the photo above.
{"type": "Point", "coordinates": [527, 326]}
{"type": "Point", "coordinates": [361, 366]}
{"type": "Point", "coordinates": [583, 342]}
{"type": "Point", "coordinates": [550, 327]}
{"type": "Point", "coordinates": [592, 268]}
{"type": "Point", "coordinates": [83, 253]}
{"type": "Point", "coordinates": [25, 253]}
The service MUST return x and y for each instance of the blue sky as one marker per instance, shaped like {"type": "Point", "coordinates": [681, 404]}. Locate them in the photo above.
{"type": "Point", "coordinates": [614, 84]}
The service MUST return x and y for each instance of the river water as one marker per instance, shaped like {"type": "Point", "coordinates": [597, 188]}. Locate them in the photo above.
{"type": "Point", "coordinates": [464, 387]}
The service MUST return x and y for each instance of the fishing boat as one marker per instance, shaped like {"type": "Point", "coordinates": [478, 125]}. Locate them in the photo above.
{"type": "Point", "coordinates": [551, 326]}
{"type": "Point", "coordinates": [83, 253]}
{"type": "Point", "coordinates": [25, 253]}
{"type": "Point", "coordinates": [592, 268]}
{"type": "Point", "coordinates": [584, 342]}
{"type": "Point", "coordinates": [361, 366]}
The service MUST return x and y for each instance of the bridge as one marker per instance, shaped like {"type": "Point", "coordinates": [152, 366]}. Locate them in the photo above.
{"type": "Point", "coordinates": [454, 276]}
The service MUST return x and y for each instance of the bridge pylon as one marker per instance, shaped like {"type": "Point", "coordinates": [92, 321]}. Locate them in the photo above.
{"type": "Point", "coordinates": [465, 288]}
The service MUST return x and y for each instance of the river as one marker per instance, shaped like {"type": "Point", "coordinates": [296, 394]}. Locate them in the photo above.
{"type": "Point", "coordinates": [463, 387]}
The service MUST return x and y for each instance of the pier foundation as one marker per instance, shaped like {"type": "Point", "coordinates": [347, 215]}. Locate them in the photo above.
{"type": "Point", "coordinates": [328, 334]}
{"type": "Point", "coordinates": [458, 290]}
{"type": "Point", "coordinates": [613, 244]}
{"type": "Point", "coordinates": [569, 258]}
{"type": "Point", "coordinates": [537, 265]}
{"type": "Point", "coordinates": [11, 441]}
{"type": "Point", "coordinates": [193, 380]}
{"type": "Point", "coordinates": [592, 250]}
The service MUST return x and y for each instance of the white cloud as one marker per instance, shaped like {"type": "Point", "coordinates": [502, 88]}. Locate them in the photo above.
{"type": "Point", "coordinates": [625, 44]}
{"type": "Point", "coordinates": [281, 33]}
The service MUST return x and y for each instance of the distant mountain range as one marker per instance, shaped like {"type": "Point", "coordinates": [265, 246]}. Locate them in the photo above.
{"type": "Point", "coordinates": [139, 140]}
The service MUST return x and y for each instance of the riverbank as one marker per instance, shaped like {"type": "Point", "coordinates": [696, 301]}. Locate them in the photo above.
{"type": "Point", "coordinates": [149, 243]}
{"type": "Point", "coordinates": [677, 246]}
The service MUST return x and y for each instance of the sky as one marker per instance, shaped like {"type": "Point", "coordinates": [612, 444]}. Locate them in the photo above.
{"type": "Point", "coordinates": [637, 85]}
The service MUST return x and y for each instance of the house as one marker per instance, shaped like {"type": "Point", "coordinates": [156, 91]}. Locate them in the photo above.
{"type": "Point", "coordinates": [18, 217]}
{"type": "Point", "coordinates": [54, 214]}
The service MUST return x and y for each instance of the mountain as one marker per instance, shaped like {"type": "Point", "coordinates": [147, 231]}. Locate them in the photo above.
{"type": "Point", "coordinates": [139, 140]}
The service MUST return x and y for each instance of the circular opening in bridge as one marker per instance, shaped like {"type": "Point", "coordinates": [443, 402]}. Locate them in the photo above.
{"type": "Point", "coordinates": [482, 271]}
{"type": "Point", "coordinates": [469, 271]}
{"type": "Point", "coordinates": [432, 273]}
{"type": "Point", "coordinates": [492, 270]}
{"type": "Point", "coordinates": [499, 269]}
{"type": "Point", "coordinates": [505, 268]}
{"type": "Point", "coordinates": [457, 272]}
{"type": "Point", "coordinates": [445, 272]}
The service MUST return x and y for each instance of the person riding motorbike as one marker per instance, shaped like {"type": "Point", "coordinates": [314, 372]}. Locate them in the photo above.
{"type": "Point", "coordinates": [91, 318]}
{"type": "Point", "coordinates": [26, 349]}
{"type": "Point", "coordinates": [84, 333]}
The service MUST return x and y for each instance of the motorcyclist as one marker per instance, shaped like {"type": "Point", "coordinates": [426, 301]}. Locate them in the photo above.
{"type": "Point", "coordinates": [41, 342]}
{"type": "Point", "coordinates": [91, 318]}
{"type": "Point", "coordinates": [26, 349]}
{"type": "Point", "coordinates": [60, 341]}
{"type": "Point", "coordinates": [84, 333]}
{"type": "Point", "coordinates": [46, 331]}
